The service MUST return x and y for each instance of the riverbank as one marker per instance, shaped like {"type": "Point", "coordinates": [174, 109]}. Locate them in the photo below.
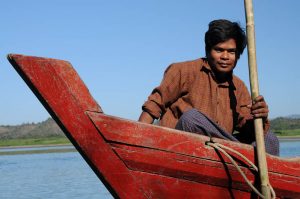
{"type": "Point", "coordinates": [29, 142]}
{"type": "Point", "coordinates": [52, 147]}
{"type": "Point", "coordinates": [37, 150]}
{"type": "Point", "coordinates": [56, 144]}
{"type": "Point", "coordinates": [63, 141]}
{"type": "Point", "coordinates": [286, 142]}
{"type": "Point", "coordinates": [289, 138]}
{"type": "Point", "coordinates": [35, 146]}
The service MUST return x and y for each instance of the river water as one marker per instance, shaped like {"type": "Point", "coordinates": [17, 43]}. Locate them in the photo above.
{"type": "Point", "coordinates": [64, 175]}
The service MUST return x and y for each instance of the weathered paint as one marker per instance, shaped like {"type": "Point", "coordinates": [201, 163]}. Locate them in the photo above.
{"type": "Point", "coordinates": [136, 160]}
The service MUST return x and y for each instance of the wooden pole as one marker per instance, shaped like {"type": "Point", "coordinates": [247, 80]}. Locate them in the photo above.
{"type": "Point", "coordinates": [258, 123]}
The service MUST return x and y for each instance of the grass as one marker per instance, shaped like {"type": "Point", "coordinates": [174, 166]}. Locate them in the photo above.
{"type": "Point", "coordinates": [63, 140]}
{"type": "Point", "coordinates": [24, 152]}
{"type": "Point", "coordinates": [34, 141]}
{"type": "Point", "coordinates": [291, 132]}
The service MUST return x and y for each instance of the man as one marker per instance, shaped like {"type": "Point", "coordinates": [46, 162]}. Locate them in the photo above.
{"type": "Point", "coordinates": [204, 96]}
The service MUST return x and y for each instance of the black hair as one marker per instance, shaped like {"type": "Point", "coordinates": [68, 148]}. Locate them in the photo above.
{"type": "Point", "coordinates": [222, 30]}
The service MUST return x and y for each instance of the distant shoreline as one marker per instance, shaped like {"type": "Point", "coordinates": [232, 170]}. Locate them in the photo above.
{"type": "Point", "coordinates": [34, 146]}
{"type": "Point", "coordinates": [281, 138]}
{"type": "Point", "coordinates": [289, 138]}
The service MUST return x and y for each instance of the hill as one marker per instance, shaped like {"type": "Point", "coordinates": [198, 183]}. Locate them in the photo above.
{"type": "Point", "coordinates": [286, 126]}
{"type": "Point", "coordinates": [43, 129]}
{"type": "Point", "coordinates": [294, 116]}
{"type": "Point", "coordinates": [283, 123]}
{"type": "Point", "coordinates": [48, 128]}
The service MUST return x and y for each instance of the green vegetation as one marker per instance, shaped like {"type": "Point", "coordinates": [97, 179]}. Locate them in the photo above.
{"type": "Point", "coordinates": [282, 123]}
{"type": "Point", "coordinates": [288, 132]}
{"type": "Point", "coordinates": [42, 133]}
{"type": "Point", "coordinates": [282, 126]}
{"type": "Point", "coordinates": [34, 141]}
{"type": "Point", "coordinates": [23, 152]}
{"type": "Point", "coordinates": [48, 132]}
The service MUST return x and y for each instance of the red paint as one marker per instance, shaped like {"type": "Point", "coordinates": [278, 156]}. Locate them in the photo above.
{"type": "Point", "coordinates": [136, 160]}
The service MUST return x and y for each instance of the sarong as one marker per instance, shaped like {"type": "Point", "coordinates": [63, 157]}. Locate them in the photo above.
{"type": "Point", "coordinates": [196, 122]}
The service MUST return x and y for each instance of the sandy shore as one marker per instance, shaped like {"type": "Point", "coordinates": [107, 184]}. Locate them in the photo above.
{"type": "Point", "coordinates": [281, 138]}
{"type": "Point", "coordinates": [37, 149]}
{"type": "Point", "coordinates": [34, 146]}
{"type": "Point", "coordinates": [289, 138]}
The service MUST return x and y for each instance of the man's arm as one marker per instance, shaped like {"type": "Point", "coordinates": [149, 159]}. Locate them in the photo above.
{"type": "Point", "coordinates": [166, 93]}
{"type": "Point", "coordinates": [146, 118]}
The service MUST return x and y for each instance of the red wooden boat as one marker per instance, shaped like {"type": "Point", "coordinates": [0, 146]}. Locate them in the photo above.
{"type": "Point", "coordinates": [136, 160]}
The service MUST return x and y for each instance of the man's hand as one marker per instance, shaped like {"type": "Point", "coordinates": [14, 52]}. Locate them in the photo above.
{"type": "Point", "coordinates": [259, 108]}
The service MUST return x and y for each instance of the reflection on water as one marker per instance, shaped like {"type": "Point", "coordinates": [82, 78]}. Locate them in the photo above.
{"type": "Point", "coordinates": [63, 175]}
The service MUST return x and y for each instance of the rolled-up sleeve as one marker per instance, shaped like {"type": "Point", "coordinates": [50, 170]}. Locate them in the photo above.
{"type": "Point", "coordinates": [153, 105]}
{"type": "Point", "coordinates": [165, 94]}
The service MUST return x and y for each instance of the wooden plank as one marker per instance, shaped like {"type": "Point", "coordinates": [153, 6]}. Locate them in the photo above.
{"type": "Point", "coordinates": [134, 133]}
{"type": "Point", "coordinates": [199, 170]}
{"type": "Point", "coordinates": [43, 77]}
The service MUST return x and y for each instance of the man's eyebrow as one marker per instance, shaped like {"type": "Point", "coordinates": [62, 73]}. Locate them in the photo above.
{"type": "Point", "coordinates": [218, 48]}
{"type": "Point", "coordinates": [231, 49]}
{"type": "Point", "coordinates": [228, 49]}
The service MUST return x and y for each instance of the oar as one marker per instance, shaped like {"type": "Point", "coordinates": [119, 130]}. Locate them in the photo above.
{"type": "Point", "coordinates": [258, 123]}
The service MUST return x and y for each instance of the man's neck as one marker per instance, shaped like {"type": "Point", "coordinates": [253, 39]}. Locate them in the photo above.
{"type": "Point", "coordinates": [221, 77]}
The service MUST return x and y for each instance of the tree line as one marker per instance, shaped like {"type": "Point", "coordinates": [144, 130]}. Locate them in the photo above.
{"type": "Point", "coordinates": [48, 128]}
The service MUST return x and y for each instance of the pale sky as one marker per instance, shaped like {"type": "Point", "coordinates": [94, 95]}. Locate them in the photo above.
{"type": "Point", "coordinates": [121, 48]}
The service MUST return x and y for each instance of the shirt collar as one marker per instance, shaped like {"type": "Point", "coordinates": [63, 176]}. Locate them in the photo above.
{"type": "Point", "coordinates": [206, 67]}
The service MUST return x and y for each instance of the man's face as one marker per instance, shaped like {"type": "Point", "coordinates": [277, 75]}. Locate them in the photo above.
{"type": "Point", "coordinates": [222, 57]}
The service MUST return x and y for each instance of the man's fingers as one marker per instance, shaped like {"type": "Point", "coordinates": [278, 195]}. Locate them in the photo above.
{"type": "Point", "coordinates": [259, 99]}
{"type": "Point", "coordinates": [260, 111]}
{"type": "Point", "coordinates": [259, 108]}
{"type": "Point", "coordinates": [260, 115]}
{"type": "Point", "coordinates": [259, 105]}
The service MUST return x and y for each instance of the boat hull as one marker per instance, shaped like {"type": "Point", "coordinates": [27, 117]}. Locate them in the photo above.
{"type": "Point", "coordinates": [136, 160]}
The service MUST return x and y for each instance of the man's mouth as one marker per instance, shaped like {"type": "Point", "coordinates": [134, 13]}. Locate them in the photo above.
{"type": "Point", "coordinates": [224, 65]}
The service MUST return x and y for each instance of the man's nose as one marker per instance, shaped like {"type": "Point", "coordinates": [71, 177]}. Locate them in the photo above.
{"type": "Point", "coordinates": [224, 55]}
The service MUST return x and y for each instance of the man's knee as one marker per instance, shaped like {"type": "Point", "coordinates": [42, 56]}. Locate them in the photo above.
{"type": "Point", "coordinates": [188, 115]}
{"type": "Point", "coordinates": [187, 120]}
{"type": "Point", "coordinates": [272, 143]}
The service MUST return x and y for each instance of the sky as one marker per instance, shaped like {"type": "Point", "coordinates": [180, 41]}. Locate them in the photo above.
{"type": "Point", "coordinates": [121, 48]}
